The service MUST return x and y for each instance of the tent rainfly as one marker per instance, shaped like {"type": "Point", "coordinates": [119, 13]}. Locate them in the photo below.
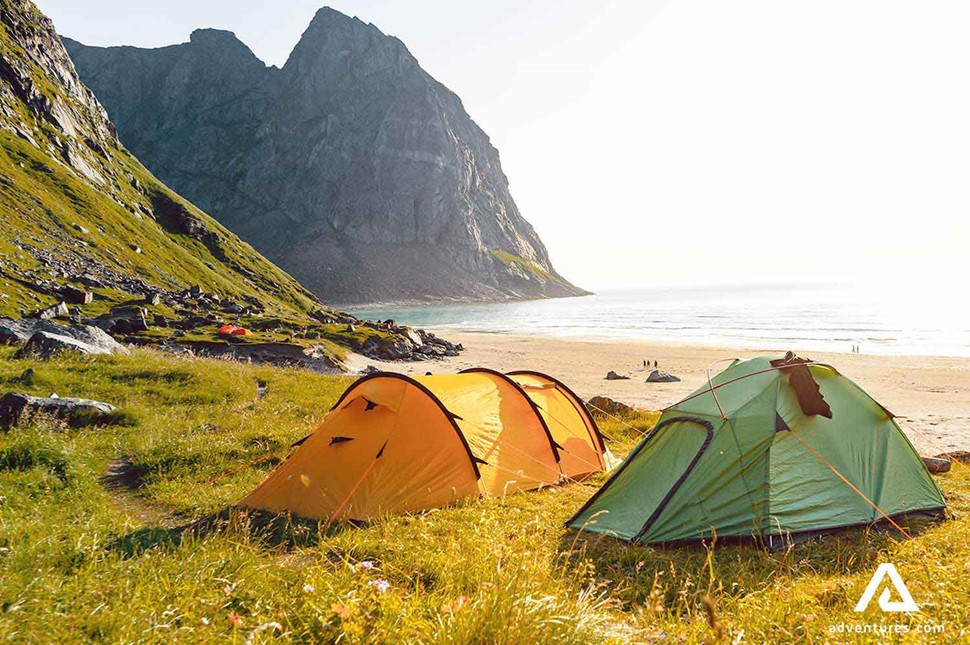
{"type": "Point", "coordinates": [778, 450]}
{"type": "Point", "coordinates": [395, 444]}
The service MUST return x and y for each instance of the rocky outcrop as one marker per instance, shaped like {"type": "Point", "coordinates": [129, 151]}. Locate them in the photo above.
{"type": "Point", "coordinates": [350, 167]}
{"type": "Point", "coordinates": [85, 133]}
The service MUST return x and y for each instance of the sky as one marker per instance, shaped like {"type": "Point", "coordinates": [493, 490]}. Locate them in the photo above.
{"type": "Point", "coordinates": [679, 142]}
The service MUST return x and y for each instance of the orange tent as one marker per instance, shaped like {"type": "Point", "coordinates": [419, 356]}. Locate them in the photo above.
{"type": "Point", "coordinates": [395, 444]}
{"type": "Point", "coordinates": [233, 330]}
{"type": "Point", "coordinates": [573, 428]}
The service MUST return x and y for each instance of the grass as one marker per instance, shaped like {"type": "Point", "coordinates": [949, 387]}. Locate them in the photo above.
{"type": "Point", "coordinates": [528, 269]}
{"type": "Point", "coordinates": [85, 559]}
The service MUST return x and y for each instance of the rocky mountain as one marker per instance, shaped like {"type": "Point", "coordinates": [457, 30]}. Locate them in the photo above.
{"type": "Point", "coordinates": [350, 167]}
{"type": "Point", "coordinates": [89, 236]}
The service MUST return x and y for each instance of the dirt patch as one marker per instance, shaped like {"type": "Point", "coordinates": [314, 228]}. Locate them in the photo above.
{"type": "Point", "coordinates": [123, 482]}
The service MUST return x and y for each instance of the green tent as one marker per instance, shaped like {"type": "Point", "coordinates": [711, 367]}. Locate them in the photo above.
{"type": "Point", "coordinates": [773, 449]}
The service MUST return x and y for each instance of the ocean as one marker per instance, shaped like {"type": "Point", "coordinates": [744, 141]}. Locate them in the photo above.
{"type": "Point", "coordinates": [777, 317]}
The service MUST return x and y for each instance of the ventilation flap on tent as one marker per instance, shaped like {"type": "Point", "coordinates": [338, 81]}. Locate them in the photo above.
{"type": "Point", "coordinates": [809, 395]}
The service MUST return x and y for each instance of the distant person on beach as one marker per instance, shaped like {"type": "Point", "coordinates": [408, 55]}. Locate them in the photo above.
{"type": "Point", "coordinates": [644, 363]}
{"type": "Point", "coordinates": [655, 365]}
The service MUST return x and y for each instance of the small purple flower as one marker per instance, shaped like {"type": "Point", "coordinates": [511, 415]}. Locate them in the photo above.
{"type": "Point", "coordinates": [382, 585]}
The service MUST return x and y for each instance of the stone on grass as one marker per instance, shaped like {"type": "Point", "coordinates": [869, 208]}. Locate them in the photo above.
{"type": "Point", "coordinates": [16, 407]}
{"type": "Point", "coordinates": [606, 405]}
{"type": "Point", "coordinates": [44, 345]}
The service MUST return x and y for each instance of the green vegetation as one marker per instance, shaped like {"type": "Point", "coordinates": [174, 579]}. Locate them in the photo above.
{"type": "Point", "coordinates": [523, 266]}
{"type": "Point", "coordinates": [86, 559]}
{"type": "Point", "coordinates": [43, 202]}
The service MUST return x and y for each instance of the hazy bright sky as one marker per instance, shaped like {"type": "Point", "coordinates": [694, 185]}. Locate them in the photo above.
{"type": "Point", "coordinates": [679, 142]}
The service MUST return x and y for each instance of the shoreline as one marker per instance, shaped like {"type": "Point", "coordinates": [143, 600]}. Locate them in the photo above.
{"type": "Point", "coordinates": [930, 395]}
{"type": "Point", "coordinates": [444, 302]}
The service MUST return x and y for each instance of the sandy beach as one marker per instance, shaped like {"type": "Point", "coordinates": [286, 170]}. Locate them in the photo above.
{"type": "Point", "coordinates": [929, 395]}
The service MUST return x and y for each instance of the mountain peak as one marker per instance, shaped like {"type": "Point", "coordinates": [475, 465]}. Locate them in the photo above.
{"type": "Point", "coordinates": [223, 43]}
{"type": "Point", "coordinates": [330, 16]}
{"type": "Point", "coordinates": [352, 167]}
{"type": "Point", "coordinates": [214, 36]}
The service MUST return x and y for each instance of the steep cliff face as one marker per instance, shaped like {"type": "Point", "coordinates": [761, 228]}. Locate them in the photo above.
{"type": "Point", "coordinates": [350, 167]}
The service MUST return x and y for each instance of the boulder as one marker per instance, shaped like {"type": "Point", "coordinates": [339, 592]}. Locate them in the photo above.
{"type": "Point", "coordinates": [395, 349]}
{"type": "Point", "coordinates": [14, 332]}
{"type": "Point", "coordinates": [87, 339]}
{"type": "Point", "coordinates": [77, 296]}
{"type": "Point", "coordinates": [16, 406]}
{"type": "Point", "coordinates": [414, 337]}
{"type": "Point", "coordinates": [128, 320]}
{"type": "Point", "coordinates": [604, 404]}
{"type": "Point", "coordinates": [44, 345]}
{"type": "Point", "coordinates": [937, 465]}
{"type": "Point", "coordinates": [659, 376]}
{"type": "Point", "coordinates": [613, 376]}
{"type": "Point", "coordinates": [57, 311]}
{"type": "Point", "coordinates": [370, 369]}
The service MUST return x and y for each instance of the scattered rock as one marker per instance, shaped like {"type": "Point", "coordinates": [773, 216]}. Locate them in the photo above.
{"type": "Point", "coordinates": [77, 296]}
{"type": "Point", "coordinates": [370, 369]}
{"type": "Point", "coordinates": [601, 404]}
{"type": "Point", "coordinates": [659, 376]}
{"type": "Point", "coordinates": [80, 229]}
{"type": "Point", "coordinates": [395, 349]}
{"type": "Point", "coordinates": [44, 345]}
{"type": "Point", "coordinates": [127, 320]}
{"type": "Point", "coordinates": [15, 332]}
{"type": "Point", "coordinates": [27, 378]}
{"type": "Point", "coordinates": [414, 337]}
{"type": "Point", "coordinates": [613, 376]}
{"type": "Point", "coordinates": [962, 456]}
{"type": "Point", "coordinates": [90, 281]}
{"type": "Point", "coordinates": [937, 465]}
{"type": "Point", "coordinates": [16, 407]}
{"type": "Point", "coordinates": [153, 299]}
{"type": "Point", "coordinates": [283, 354]}
{"type": "Point", "coordinates": [59, 310]}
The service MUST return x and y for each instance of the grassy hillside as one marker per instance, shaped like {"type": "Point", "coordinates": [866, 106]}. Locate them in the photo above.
{"type": "Point", "coordinates": [83, 558]}
{"type": "Point", "coordinates": [45, 206]}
